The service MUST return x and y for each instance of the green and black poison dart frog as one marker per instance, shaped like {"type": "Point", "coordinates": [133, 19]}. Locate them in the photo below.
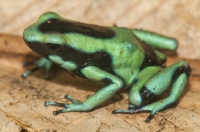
{"type": "Point", "coordinates": [117, 56]}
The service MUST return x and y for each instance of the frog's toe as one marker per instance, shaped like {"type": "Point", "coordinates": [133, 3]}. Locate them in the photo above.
{"type": "Point", "coordinates": [73, 107]}
{"type": "Point", "coordinates": [69, 97]}
{"type": "Point", "coordinates": [129, 110]}
{"type": "Point", "coordinates": [149, 118]}
{"type": "Point", "coordinates": [57, 112]}
{"type": "Point", "coordinates": [145, 109]}
{"type": "Point", "coordinates": [136, 110]}
{"type": "Point", "coordinates": [62, 111]}
{"type": "Point", "coordinates": [131, 106]}
{"type": "Point", "coordinates": [27, 73]}
{"type": "Point", "coordinates": [121, 111]}
{"type": "Point", "coordinates": [41, 63]}
{"type": "Point", "coordinates": [51, 103]}
{"type": "Point", "coordinates": [115, 111]}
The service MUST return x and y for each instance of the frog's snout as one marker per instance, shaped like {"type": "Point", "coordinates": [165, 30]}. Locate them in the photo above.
{"type": "Point", "coordinates": [27, 35]}
{"type": "Point", "coordinates": [30, 37]}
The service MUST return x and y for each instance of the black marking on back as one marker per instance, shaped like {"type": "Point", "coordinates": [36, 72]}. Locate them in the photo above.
{"type": "Point", "coordinates": [100, 59]}
{"type": "Point", "coordinates": [64, 26]}
{"type": "Point", "coordinates": [150, 57]}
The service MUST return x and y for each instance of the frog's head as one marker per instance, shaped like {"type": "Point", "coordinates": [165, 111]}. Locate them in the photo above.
{"type": "Point", "coordinates": [43, 41]}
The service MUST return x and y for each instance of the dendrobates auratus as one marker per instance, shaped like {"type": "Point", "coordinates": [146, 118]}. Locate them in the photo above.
{"type": "Point", "coordinates": [117, 56]}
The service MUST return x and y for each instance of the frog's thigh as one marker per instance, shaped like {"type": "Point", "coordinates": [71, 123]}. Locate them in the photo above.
{"type": "Point", "coordinates": [135, 94]}
{"type": "Point", "coordinates": [113, 85]}
{"type": "Point", "coordinates": [176, 76]}
{"type": "Point", "coordinates": [156, 40]}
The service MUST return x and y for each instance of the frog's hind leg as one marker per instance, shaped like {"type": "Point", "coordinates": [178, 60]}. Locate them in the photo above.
{"type": "Point", "coordinates": [155, 40]}
{"type": "Point", "coordinates": [175, 76]}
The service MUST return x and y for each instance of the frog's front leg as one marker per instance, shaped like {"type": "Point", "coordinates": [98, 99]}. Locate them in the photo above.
{"type": "Point", "coordinates": [174, 76]}
{"type": "Point", "coordinates": [96, 74]}
{"type": "Point", "coordinates": [41, 63]}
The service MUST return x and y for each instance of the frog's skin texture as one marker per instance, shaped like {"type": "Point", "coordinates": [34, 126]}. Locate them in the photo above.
{"type": "Point", "coordinates": [117, 56]}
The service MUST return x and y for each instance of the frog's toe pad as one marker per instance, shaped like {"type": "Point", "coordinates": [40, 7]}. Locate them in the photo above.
{"type": "Point", "coordinates": [48, 103]}
{"type": "Point", "coordinates": [149, 118]}
{"type": "Point", "coordinates": [25, 74]}
{"type": "Point", "coordinates": [57, 112]}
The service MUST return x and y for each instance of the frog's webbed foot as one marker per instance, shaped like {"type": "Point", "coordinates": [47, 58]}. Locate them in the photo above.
{"type": "Point", "coordinates": [41, 63]}
{"type": "Point", "coordinates": [74, 106]}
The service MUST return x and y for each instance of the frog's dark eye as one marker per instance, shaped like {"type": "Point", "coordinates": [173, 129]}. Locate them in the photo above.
{"type": "Point", "coordinates": [54, 48]}
{"type": "Point", "coordinates": [54, 42]}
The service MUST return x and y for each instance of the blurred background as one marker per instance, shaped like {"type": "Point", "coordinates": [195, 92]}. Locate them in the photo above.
{"type": "Point", "coordinates": [175, 18]}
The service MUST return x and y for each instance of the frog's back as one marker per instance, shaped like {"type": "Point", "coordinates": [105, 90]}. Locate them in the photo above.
{"type": "Point", "coordinates": [130, 55]}
{"type": "Point", "coordinates": [119, 52]}
{"type": "Point", "coordinates": [127, 54]}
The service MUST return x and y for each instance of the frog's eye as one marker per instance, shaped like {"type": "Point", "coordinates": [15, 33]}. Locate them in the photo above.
{"type": "Point", "coordinates": [54, 48]}
{"type": "Point", "coordinates": [54, 43]}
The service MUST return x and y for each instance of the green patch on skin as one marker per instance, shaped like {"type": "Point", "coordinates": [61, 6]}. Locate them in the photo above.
{"type": "Point", "coordinates": [57, 59]}
{"type": "Point", "coordinates": [69, 65]}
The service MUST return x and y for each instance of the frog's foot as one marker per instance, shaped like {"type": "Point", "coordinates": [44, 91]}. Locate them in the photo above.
{"type": "Point", "coordinates": [152, 108]}
{"type": "Point", "coordinates": [149, 108]}
{"type": "Point", "coordinates": [74, 106]}
{"type": "Point", "coordinates": [41, 63]}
